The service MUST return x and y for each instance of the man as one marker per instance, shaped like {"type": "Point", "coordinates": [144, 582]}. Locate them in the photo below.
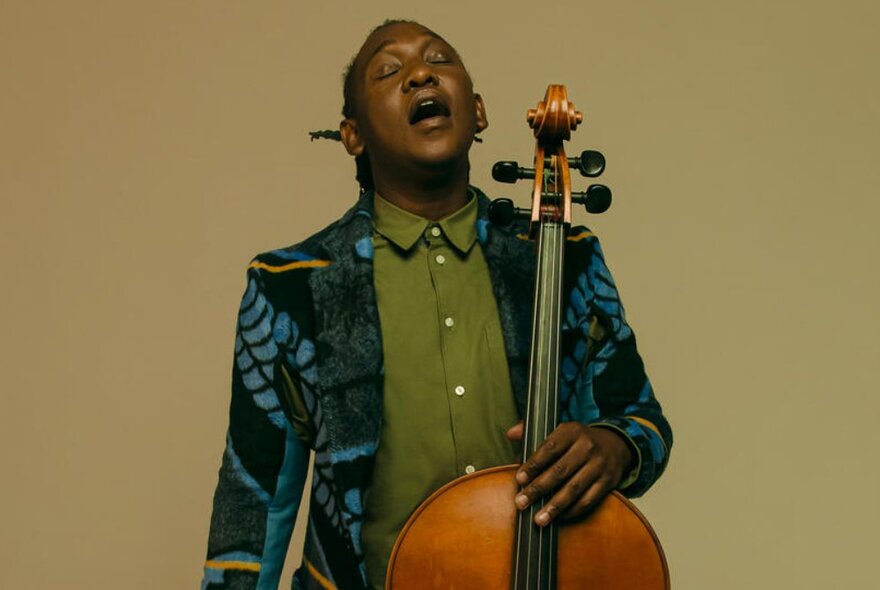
{"type": "Point", "coordinates": [393, 412]}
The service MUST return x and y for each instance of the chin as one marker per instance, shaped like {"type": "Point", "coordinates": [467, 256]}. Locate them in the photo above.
{"type": "Point", "coordinates": [443, 153]}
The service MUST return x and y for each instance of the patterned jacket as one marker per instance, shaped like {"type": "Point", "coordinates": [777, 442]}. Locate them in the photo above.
{"type": "Point", "coordinates": [310, 309]}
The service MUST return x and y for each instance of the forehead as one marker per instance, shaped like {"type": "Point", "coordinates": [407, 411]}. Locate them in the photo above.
{"type": "Point", "coordinates": [396, 34]}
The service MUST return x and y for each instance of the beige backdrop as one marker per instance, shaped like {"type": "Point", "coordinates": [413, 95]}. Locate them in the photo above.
{"type": "Point", "coordinates": [149, 149]}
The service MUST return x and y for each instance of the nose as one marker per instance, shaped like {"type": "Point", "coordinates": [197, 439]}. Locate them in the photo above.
{"type": "Point", "coordinates": [419, 75]}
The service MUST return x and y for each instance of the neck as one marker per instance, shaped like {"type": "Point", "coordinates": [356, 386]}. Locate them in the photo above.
{"type": "Point", "coordinates": [433, 196]}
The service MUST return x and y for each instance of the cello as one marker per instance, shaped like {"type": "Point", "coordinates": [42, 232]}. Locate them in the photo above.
{"type": "Point", "coordinates": [468, 534]}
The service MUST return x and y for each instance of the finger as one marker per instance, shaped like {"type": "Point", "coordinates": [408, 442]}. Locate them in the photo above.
{"type": "Point", "coordinates": [553, 447]}
{"type": "Point", "coordinates": [551, 478]}
{"type": "Point", "coordinates": [515, 433]}
{"type": "Point", "coordinates": [569, 494]}
{"type": "Point", "coordinates": [589, 500]}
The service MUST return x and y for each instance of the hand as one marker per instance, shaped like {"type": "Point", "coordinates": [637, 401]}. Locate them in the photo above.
{"type": "Point", "coordinates": [578, 464]}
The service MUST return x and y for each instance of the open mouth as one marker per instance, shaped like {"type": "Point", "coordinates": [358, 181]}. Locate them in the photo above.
{"type": "Point", "coordinates": [427, 108]}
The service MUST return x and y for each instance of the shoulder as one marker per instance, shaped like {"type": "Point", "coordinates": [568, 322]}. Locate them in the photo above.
{"type": "Point", "coordinates": [318, 250]}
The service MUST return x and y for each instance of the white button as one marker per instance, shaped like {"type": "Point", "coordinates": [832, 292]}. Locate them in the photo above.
{"type": "Point", "coordinates": [435, 231]}
{"type": "Point", "coordinates": [470, 469]}
{"type": "Point", "coordinates": [440, 259]}
{"type": "Point", "coordinates": [449, 322]}
{"type": "Point", "coordinates": [459, 390]}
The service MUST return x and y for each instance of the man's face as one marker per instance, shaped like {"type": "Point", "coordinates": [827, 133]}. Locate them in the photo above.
{"type": "Point", "coordinates": [414, 101]}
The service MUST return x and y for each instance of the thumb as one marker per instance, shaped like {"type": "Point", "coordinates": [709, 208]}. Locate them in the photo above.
{"type": "Point", "coordinates": [515, 433]}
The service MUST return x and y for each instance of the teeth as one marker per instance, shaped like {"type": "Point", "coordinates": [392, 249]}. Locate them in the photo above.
{"type": "Point", "coordinates": [428, 107]}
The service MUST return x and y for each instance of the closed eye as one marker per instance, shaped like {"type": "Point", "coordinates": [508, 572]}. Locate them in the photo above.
{"type": "Point", "coordinates": [438, 57]}
{"type": "Point", "coordinates": [387, 70]}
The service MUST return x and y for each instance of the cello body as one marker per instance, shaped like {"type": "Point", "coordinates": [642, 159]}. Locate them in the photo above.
{"type": "Point", "coordinates": [462, 538]}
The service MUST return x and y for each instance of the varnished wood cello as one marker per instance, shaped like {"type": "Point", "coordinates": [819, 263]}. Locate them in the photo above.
{"type": "Point", "coordinates": [468, 534]}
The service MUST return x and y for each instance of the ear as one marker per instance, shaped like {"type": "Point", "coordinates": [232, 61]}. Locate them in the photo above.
{"type": "Point", "coordinates": [351, 137]}
{"type": "Point", "coordinates": [482, 121]}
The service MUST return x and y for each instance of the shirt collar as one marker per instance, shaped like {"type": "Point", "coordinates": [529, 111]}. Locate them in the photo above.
{"type": "Point", "coordinates": [405, 228]}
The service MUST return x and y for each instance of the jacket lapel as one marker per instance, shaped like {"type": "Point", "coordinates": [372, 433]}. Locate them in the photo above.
{"type": "Point", "coordinates": [511, 262]}
{"type": "Point", "coordinates": [348, 339]}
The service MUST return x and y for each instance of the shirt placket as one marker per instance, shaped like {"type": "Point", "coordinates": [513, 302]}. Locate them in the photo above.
{"type": "Point", "coordinates": [442, 262]}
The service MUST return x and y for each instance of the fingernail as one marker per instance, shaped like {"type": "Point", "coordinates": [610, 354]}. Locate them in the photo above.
{"type": "Point", "coordinates": [522, 477]}
{"type": "Point", "coordinates": [542, 519]}
{"type": "Point", "coordinates": [522, 500]}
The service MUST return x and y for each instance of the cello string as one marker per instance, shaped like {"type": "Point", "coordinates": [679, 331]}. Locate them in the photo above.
{"type": "Point", "coordinates": [554, 376]}
{"type": "Point", "coordinates": [542, 414]}
{"type": "Point", "coordinates": [557, 325]}
{"type": "Point", "coordinates": [546, 316]}
{"type": "Point", "coordinates": [552, 360]}
{"type": "Point", "coordinates": [526, 519]}
{"type": "Point", "coordinates": [540, 426]}
{"type": "Point", "coordinates": [547, 381]}
{"type": "Point", "coordinates": [558, 306]}
{"type": "Point", "coordinates": [550, 303]}
{"type": "Point", "coordinates": [540, 422]}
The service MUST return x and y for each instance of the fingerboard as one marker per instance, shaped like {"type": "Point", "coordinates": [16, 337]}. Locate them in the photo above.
{"type": "Point", "coordinates": [534, 565]}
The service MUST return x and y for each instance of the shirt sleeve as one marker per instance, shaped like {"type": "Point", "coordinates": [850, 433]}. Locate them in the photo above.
{"type": "Point", "coordinates": [621, 388]}
{"type": "Point", "coordinates": [264, 463]}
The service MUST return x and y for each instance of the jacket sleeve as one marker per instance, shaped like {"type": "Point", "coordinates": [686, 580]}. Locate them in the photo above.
{"type": "Point", "coordinates": [264, 463]}
{"type": "Point", "coordinates": [621, 389]}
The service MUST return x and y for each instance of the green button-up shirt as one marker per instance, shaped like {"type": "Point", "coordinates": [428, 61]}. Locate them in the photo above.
{"type": "Point", "coordinates": [447, 397]}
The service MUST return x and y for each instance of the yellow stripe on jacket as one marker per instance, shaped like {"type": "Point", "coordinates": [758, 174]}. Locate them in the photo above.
{"type": "Point", "coordinates": [248, 566]}
{"type": "Point", "coordinates": [324, 582]}
{"type": "Point", "coordinates": [289, 266]}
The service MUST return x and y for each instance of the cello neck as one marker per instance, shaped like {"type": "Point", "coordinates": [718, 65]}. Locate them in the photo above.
{"type": "Point", "coordinates": [542, 409]}
{"type": "Point", "coordinates": [535, 549]}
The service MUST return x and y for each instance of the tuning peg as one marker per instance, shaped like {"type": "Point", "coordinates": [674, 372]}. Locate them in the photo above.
{"type": "Point", "coordinates": [596, 199]}
{"type": "Point", "coordinates": [503, 212]}
{"type": "Point", "coordinates": [590, 163]}
{"type": "Point", "coordinates": [510, 172]}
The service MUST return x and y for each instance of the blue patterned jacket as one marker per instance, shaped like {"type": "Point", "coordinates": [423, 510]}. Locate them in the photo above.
{"type": "Point", "coordinates": [310, 310]}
